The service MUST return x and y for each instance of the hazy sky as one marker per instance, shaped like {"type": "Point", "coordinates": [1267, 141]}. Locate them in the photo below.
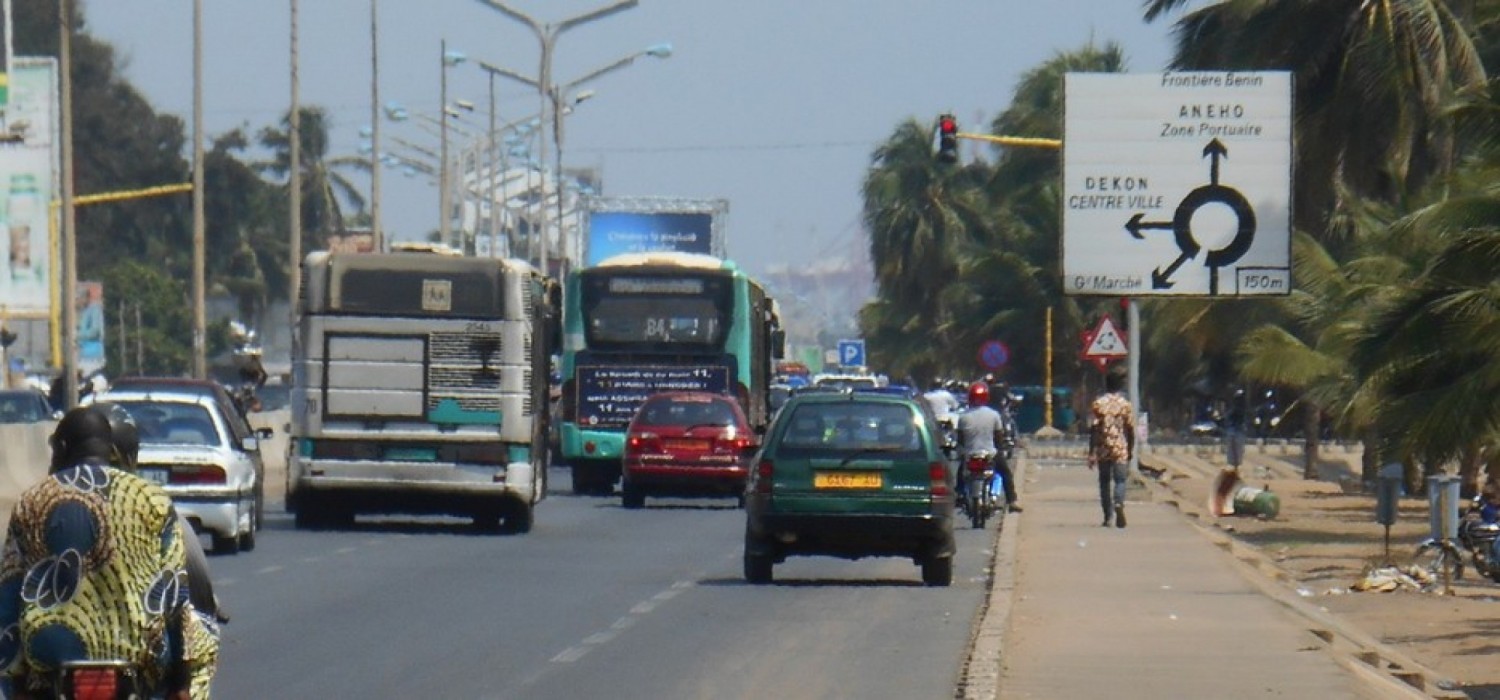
{"type": "Point", "coordinates": [774, 105]}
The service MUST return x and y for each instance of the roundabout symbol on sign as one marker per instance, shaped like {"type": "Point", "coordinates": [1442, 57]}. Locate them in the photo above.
{"type": "Point", "coordinates": [1182, 229]}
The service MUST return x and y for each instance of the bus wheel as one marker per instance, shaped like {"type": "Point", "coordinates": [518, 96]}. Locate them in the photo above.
{"type": "Point", "coordinates": [519, 520]}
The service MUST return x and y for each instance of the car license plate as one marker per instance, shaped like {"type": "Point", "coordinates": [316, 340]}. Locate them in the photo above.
{"type": "Point", "coordinates": [685, 444]}
{"type": "Point", "coordinates": [155, 476]}
{"type": "Point", "coordinates": [846, 480]}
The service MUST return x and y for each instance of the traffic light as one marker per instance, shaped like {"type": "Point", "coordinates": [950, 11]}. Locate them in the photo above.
{"type": "Point", "coordinates": [947, 139]}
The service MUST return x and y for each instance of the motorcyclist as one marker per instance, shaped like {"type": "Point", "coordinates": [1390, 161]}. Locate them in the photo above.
{"type": "Point", "coordinates": [981, 429]}
{"type": "Point", "coordinates": [125, 456]}
{"type": "Point", "coordinates": [940, 400]}
{"type": "Point", "coordinates": [94, 568]}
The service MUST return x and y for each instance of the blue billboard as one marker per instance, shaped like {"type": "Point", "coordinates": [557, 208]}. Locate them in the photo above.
{"type": "Point", "coordinates": [614, 232]}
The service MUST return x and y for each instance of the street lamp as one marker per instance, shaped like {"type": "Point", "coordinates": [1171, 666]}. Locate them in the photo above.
{"type": "Point", "coordinates": [449, 58]}
{"type": "Point", "coordinates": [377, 231]}
{"type": "Point", "coordinates": [553, 94]}
{"type": "Point", "coordinates": [546, 35]}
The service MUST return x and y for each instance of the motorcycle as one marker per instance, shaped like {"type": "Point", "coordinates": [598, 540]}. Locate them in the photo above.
{"type": "Point", "coordinates": [99, 680]}
{"type": "Point", "coordinates": [1476, 536]}
{"type": "Point", "coordinates": [984, 494]}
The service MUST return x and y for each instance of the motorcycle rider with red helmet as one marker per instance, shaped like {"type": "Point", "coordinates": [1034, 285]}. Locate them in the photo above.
{"type": "Point", "coordinates": [982, 429]}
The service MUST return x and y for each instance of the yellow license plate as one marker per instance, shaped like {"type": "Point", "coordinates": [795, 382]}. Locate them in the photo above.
{"type": "Point", "coordinates": [846, 480]}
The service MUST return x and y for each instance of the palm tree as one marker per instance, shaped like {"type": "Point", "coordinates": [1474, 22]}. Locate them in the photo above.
{"type": "Point", "coordinates": [1432, 347]}
{"type": "Point", "coordinates": [1372, 81]}
{"type": "Point", "coordinates": [322, 183]}
{"type": "Point", "coordinates": [917, 211]}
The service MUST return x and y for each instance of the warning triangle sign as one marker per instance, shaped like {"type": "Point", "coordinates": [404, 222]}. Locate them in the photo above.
{"type": "Point", "coordinates": [1105, 341]}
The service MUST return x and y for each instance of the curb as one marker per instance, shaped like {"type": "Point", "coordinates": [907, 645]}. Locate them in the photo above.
{"type": "Point", "coordinates": [1384, 670]}
{"type": "Point", "coordinates": [979, 679]}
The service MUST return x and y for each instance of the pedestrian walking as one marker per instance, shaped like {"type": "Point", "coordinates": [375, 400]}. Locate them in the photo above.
{"type": "Point", "coordinates": [1111, 442]}
{"type": "Point", "coordinates": [1234, 430]}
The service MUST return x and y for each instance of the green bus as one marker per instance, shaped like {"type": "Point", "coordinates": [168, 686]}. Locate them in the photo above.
{"type": "Point", "coordinates": [640, 323]}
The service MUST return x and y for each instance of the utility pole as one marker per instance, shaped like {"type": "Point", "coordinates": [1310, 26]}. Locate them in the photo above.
{"type": "Point", "coordinates": [69, 239]}
{"type": "Point", "coordinates": [200, 322]}
{"type": "Point", "coordinates": [376, 231]}
{"type": "Point", "coordinates": [294, 186]}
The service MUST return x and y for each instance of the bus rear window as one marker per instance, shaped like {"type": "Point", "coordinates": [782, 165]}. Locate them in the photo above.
{"type": "Point", "coordinates": [450, 294]}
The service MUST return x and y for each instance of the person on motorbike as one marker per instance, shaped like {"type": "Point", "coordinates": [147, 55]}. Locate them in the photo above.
{"type": "Point", "coordinates": [125, 456]}
{"type": "Point", "coordinates": [940, 400]}
{"type": "Point", "coordinates": [981, 429]}
{"type": "Point", "coordinates": [94, 569]}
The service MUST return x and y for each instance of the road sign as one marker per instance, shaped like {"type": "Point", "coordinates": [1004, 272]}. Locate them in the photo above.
{"type": "Point", "coordinates": [852, 353]}
{"type": "Point", "coordinates": [1177, 184]}
{"type": "Point", "coordinates": [993, 355]}
{"type": "Point", "coordinates": [1103, 343]}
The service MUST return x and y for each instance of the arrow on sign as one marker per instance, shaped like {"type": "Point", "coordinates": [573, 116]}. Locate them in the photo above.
{"type": "Point", "coordinates": [1215, 149]}
{"type": "Point", "coordinates": [1135, 225]}
{"type": "Point", "coordinates": [1162, 279]}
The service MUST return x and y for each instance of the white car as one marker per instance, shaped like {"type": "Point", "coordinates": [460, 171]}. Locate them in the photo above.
{"type": "Point", "coordinates": [190, 449]}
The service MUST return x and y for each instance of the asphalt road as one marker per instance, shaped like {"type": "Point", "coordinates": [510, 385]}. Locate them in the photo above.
{"type": "Point", "coordinates": [596, 601]}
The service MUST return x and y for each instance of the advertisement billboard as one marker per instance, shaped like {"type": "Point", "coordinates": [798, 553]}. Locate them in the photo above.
{"type": "Point", "coordinates": [28, 184]}
{"type": "Point", "coordinates": [648, 225]}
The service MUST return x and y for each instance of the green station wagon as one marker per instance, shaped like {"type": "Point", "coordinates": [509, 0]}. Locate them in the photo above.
{"type": "Point", "coordinates": [851, 475]}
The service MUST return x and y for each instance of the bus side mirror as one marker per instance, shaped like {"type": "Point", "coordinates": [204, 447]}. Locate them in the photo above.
{"type": "Point", "coordinates": [778, 343]}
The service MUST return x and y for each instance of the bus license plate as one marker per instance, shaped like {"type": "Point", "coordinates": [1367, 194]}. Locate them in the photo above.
{"type": "Point", "coordinates": [846, 480]}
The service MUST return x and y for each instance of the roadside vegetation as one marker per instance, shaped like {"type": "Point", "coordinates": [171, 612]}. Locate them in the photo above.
{"type": "Point", "coordinates": [1391, 335]}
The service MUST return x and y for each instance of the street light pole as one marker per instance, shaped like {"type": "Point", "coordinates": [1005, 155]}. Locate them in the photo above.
{"type": "Point", "coordinates": [376, 231]}
{"type": "Point", "coordinates": [443, 232]}
{"type": "Point", "coordinates": [69, 241]}
{"type": "Point", "coordinates": [200, 322]}
{"type": "Point", "coordinates": [546, 35]}
{"type": "Point", "coordinates": [294, 188]}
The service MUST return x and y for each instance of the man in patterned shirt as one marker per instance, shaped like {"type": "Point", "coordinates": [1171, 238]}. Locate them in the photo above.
{"type": "Point", "coordinates": [94, 569]}
{"type": "Point", "coordinates": [1111, 442]}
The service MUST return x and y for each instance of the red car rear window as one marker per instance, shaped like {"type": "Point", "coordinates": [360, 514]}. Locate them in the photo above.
{"type": "Point", "coordinates": [687, 411]}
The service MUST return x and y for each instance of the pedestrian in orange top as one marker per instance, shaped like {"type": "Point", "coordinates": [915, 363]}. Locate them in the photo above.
{"type": "Point", "coordinates": [1111, 442]}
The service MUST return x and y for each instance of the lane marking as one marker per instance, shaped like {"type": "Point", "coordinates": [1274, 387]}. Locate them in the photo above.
{"type": "Point", "coordinates": [270, 569]}
{"type": "Point", "coordinates": [570, 655]}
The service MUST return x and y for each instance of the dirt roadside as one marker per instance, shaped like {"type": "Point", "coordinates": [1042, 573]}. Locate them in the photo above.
{"type": "Point", "coordinates": [1325, 539]}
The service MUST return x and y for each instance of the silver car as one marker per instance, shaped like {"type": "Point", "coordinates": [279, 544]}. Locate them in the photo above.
{"type": "Point", "coordinates": [189, 448]}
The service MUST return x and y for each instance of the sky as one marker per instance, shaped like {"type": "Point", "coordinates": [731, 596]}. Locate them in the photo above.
{"type": "Point", "coordinates": [773, 105]}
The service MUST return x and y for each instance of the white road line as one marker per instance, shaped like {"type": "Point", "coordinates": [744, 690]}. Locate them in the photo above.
{"type": "Point", "coordinates": [270, 569]}
{"type": "Point", "coordinates": [570, 655]}
{"type": "Point", "coordinates": [643, 608]}
{"type": "Point", "coordinates": [600, 638]}
{"type": "Point", "coordinates": [346, 550]}
{"type": "Point", "coordinates": [225, 582]}
{"type": "Point", "coordinates": [623, 623]}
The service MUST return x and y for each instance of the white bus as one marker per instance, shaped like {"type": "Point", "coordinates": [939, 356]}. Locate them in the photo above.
{"type": "Point", "coordinates": [419, 386]}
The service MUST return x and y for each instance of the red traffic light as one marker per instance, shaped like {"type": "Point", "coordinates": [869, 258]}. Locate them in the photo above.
{"type": "Point", "coordinates": [947, 139]}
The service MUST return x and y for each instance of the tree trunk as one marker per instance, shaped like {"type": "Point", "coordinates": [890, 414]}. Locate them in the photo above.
{"type": "Point", "coordinates": [1310, 427]}
{"type": "Point", "coordinates": [1369, 461]}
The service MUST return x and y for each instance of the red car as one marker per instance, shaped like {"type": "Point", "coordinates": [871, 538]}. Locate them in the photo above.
{"type": "Point", "coordinates": [687, 444]}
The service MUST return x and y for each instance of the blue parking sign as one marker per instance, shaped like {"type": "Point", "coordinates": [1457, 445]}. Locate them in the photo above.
{"type": "Point", "coordinates": [852, 353]}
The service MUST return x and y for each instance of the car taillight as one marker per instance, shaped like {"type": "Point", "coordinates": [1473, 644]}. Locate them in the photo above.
{"type": "Point", "coordinates": [763, 475]}
{"type": "Point", "coordinates": [637, 443]}
{"type": "Point", "coordinates": [196, 475]}
{"type": "Point", "coordinates": [937, 472]}
{"type": "Point", "coordinates": [733, 444]}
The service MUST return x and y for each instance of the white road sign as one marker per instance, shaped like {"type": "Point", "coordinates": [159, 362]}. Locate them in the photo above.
{"type": "Point", "coordinates": [1177, 184]}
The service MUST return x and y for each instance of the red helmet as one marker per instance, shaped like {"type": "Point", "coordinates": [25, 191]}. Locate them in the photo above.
{"type": "Point", "coordinates": [979, 394]}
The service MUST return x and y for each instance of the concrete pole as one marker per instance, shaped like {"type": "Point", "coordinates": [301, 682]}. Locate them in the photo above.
{"type": "Point", "coordinates": [69, 241]}
{"type": "Point", "coordinates": [376, 230]}
{"type": "Point", "coordinates": [200, 321]}
{"type": "Point", "coordinates": [294, 186]}
{"type": "Point", "coordinates": [1133, 313]}
{"type": "Point", "coordinates": [443, 228]}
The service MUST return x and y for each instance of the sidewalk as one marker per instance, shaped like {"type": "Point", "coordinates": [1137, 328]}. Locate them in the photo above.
{"type": "Point", "coordinates": [1154, 610]}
